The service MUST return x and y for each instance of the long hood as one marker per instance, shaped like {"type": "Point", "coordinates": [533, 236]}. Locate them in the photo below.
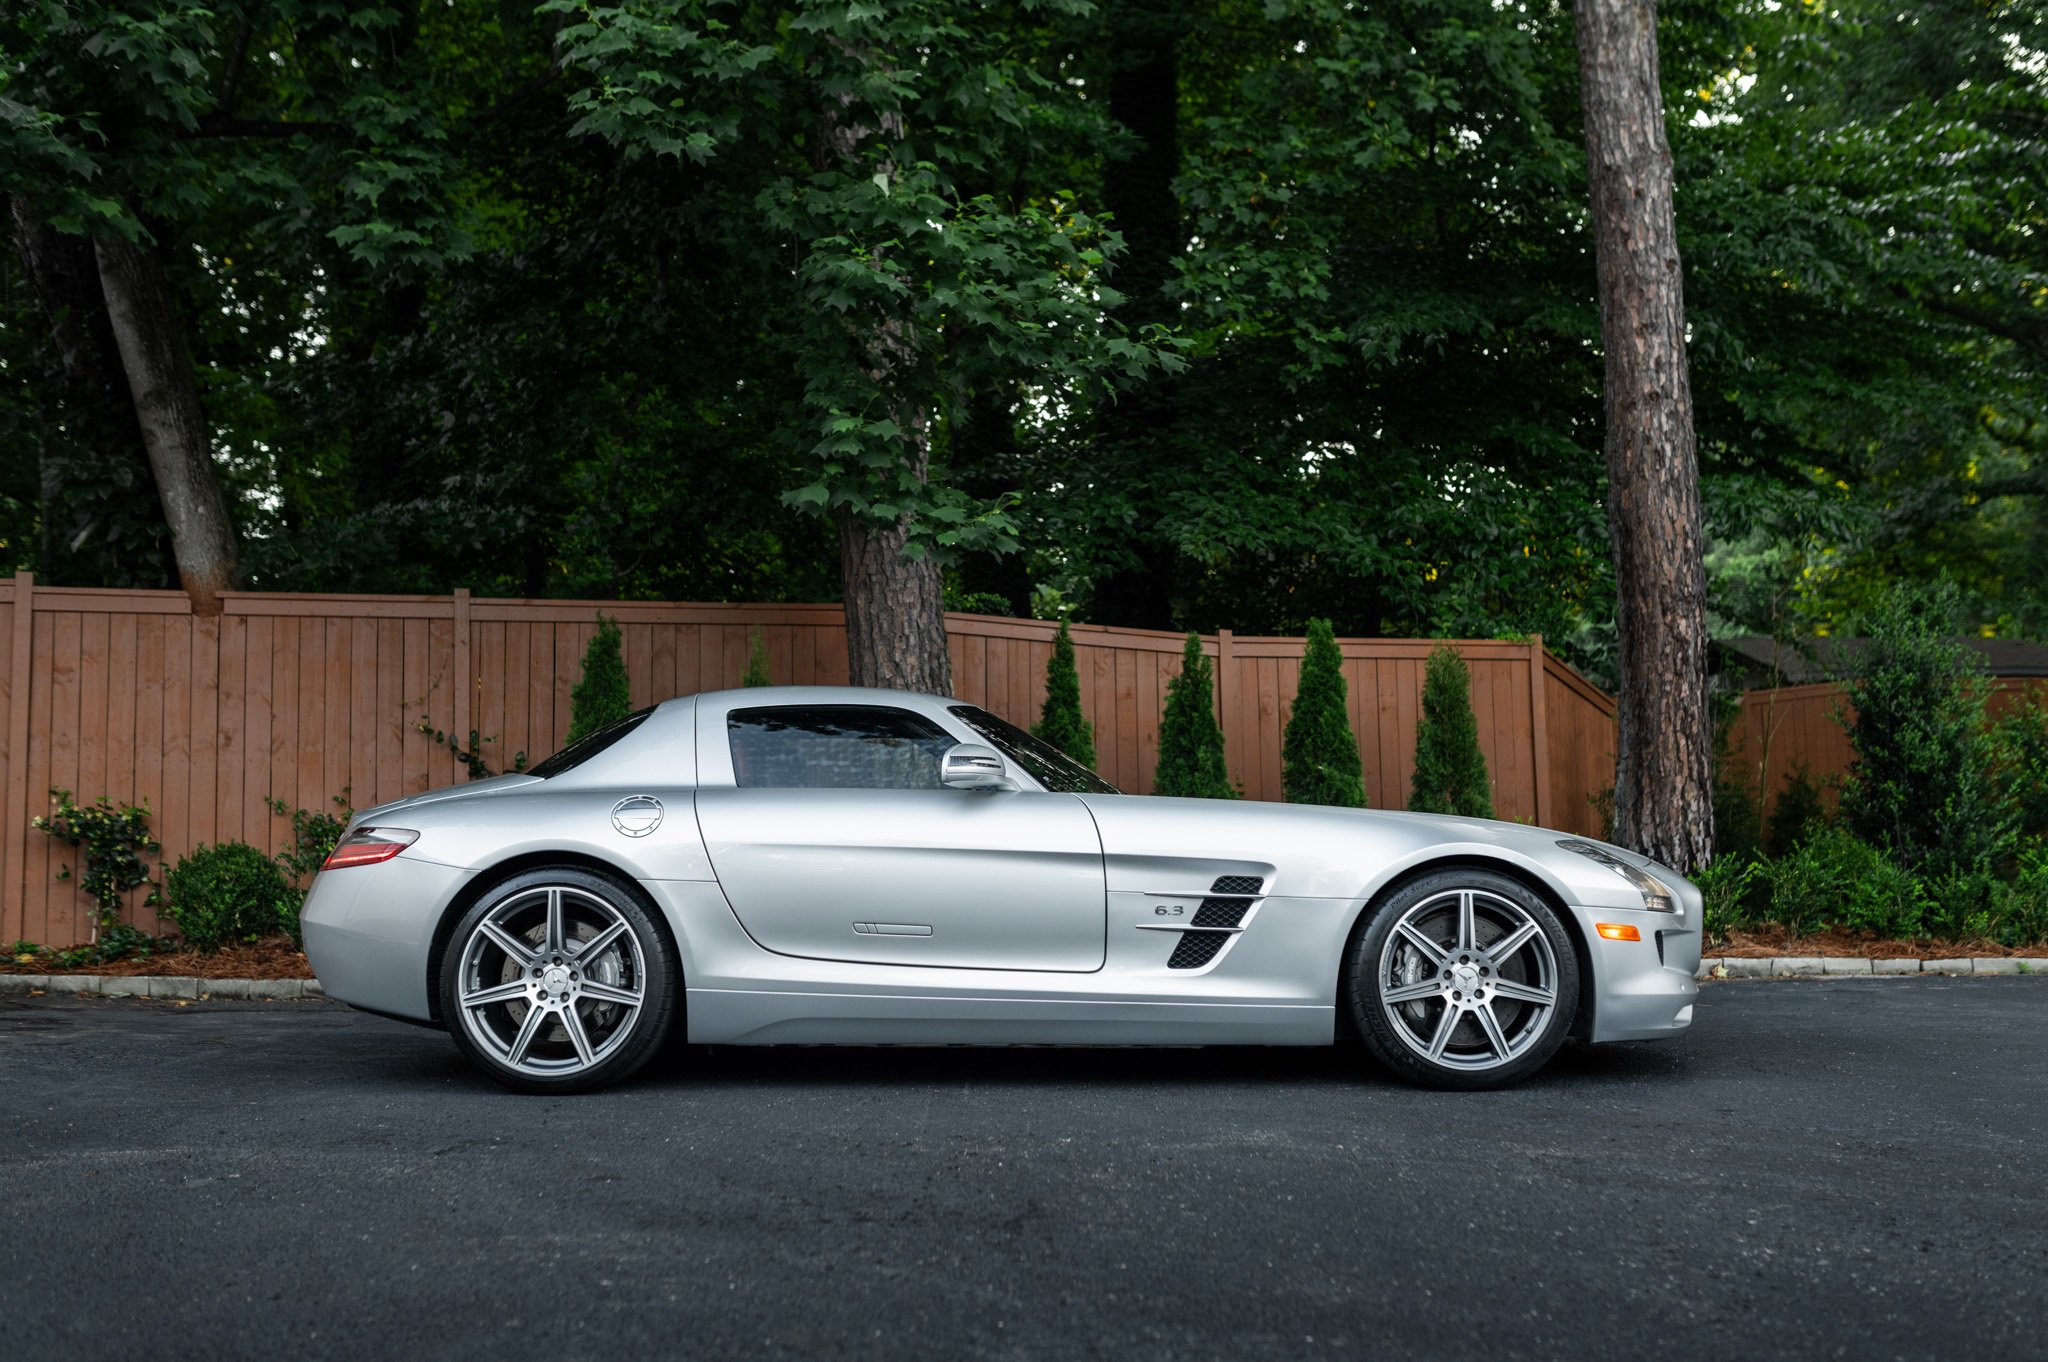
{"type": "Point", "coordinates": [1312, 851]}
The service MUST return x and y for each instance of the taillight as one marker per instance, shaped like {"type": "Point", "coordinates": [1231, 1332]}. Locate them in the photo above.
{"type": "Point", "coordinates": [367, 846]}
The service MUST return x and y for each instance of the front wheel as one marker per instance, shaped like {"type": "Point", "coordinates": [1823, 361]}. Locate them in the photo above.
{"type": "Point", "coordinates": [1463, 979]}
{"type": "Point", "coordinates": [558, 981]}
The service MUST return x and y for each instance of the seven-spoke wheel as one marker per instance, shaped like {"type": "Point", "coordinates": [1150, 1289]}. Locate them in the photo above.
{"type": "Point", "coordinates": [558, 981]}
{"type": "Point", "coordinates": [1463, 979]}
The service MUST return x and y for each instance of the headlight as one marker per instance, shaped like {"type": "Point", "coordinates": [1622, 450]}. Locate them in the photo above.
{"type": "Point", "coordinates": [1657, 895]}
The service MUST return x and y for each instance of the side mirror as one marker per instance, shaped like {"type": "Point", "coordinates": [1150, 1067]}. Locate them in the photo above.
{"type": "Point", "coordinates": [970, 766]}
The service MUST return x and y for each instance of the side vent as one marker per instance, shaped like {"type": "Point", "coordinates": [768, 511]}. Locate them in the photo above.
{"type": "Point", "coordinates": [1220, 915]}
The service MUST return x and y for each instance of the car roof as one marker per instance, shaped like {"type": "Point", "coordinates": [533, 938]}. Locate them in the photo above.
{"type": "Point", "coordinates": [820, 695]}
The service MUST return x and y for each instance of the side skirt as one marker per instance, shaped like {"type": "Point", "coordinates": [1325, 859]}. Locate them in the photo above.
{"type": "Point", "coordinates": [762, 1017]}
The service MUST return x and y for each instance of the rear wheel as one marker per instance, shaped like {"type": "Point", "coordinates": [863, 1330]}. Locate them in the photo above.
{"type": "Point", "coordinates": [1463, 979]}
{"type": "Point", "coordinates": [558, 981]}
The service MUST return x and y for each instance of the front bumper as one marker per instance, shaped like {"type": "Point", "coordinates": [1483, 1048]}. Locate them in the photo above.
{"type": "Point", "coordinates": [370, 928]}
{"type": "Point", "coordinates": [1641, 990]}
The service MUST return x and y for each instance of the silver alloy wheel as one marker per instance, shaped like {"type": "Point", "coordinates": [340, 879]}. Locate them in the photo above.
{"type": "Point", "coordinates": [552, 981]}
{"type": "Point", "coordinates": [1468, 980]}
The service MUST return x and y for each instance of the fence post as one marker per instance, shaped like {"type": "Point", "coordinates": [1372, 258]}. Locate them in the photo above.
{"type": "Point", "coordinates": [14, 893]}
{"type": "Point", "coordinates": [1539, 732]}
{"type": "Point", "coordinates": [1225, 659]}
{"type": "Point", "coordinates": [465, 682]}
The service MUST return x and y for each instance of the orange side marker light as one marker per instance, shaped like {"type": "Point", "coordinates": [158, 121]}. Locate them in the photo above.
{"type": "Point", "coordinates": [1617, 931]}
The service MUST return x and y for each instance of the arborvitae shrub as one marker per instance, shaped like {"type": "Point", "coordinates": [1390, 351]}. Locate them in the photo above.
{"type": "Point", "coordinates": [757, 661]}
{"type": "Point", "coordinates": [228, 894]}
{"type": "Point", "coordinates": [1061, 723]}
{"type": "Point", "coordinates": [600, 698]}
{"type": "Point", "coordinates": [1319, 756]}
{"type": "Point", "coordinates": [1922, 781]}
{"type": "Point", "coordinates": [1190, 743]}
{"type": "Point", "coordinates": [1450, 768]}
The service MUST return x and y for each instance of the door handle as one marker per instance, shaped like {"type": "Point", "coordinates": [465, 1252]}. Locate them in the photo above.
{"type": "Point", "coordinates": [892, 929]}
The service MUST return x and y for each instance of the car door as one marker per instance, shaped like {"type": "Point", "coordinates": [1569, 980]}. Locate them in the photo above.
{"type": "Point", "coordinates": [836, 841]}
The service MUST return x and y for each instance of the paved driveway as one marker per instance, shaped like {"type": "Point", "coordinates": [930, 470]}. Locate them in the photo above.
{"type": "Point", "coordinates": [1823, 1168]}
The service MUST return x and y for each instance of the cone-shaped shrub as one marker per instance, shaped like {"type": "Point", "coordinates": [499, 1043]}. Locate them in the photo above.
{"type": "Point", "coordinates": [1190, 743]}
{"type": "Point", "coordinates": [1062, 724]}
{"type": "Point", "coordinates": [600, 698]}
{"type": "Point", "coordinates": [1450, 770]}
{"type": "Point", "coordinates": [1319, 757]}
{"type": "Point", "coordinates": [757, 662]}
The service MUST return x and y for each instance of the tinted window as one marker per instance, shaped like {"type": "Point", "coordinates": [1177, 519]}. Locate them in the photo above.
{"type": "Point", "coordinates": [835, 747]}
{"type": "Point", "coordinates": [588, 746]}
{"type": "Point", "coordinates": [1049, 766]}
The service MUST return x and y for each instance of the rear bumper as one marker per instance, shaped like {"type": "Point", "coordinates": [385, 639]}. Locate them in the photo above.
{"type": "Point", "coordinates": [1641, 990]}
{"type": "Point", "coordinates": [369, 930]}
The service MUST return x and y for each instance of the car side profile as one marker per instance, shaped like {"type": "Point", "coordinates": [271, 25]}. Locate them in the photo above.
{"type": "Point", "coordinates": [832, 865]}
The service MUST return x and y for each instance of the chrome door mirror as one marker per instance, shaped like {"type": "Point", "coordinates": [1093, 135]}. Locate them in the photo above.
{"type": "Point", "coordinates": [970, 766]}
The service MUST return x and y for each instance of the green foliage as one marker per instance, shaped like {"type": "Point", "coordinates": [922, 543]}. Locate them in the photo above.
{"type": "Point", "coordinates": [1450, 768]}
{"type": "Point", "coordinates": [1061, 722]}
{"type": "Point", "coordinates": [1318, 754]}
{"type": "Point", "coordinates": [1799, 813]}
{"type": "Point", "coordinates": [114, 839]}
{"type": "Point", "coordinates": [470, 756]}
{"type": "Point", "coordinates": [1190, 742]}
{"type": "Point", "coordinates": [2021, 740]}
{"type": "Point", "coordinates": [2023, 913]}
{"type": "Point", "coordinates": [757, 661]}
{"type": "Point", "coordinates": [314, 834]}
{"type": "Point", "coordinates": [601, 698]}
{"type": "Point", "coordinates": [1836, 879]}
{"type": "Point", "coordinates": [227, 894]}
{"type": "Point", "coordinates": [1735, 888]}
{"type": "Point", "coordinates": [1921, 782]}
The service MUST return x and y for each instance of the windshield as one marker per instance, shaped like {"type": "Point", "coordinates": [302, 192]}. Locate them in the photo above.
{"type": "Point", "coordinates": [1049, 766]}
{"type": "Point", "coordinates": [583, 749]}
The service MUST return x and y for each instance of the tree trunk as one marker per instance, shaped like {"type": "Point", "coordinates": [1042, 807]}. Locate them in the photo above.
{"type": "Point", "coordinates": [1663, 779]}
{"type": "Point", "coordinates": [166, 395]}
{"type": "Point", "coordinates": [79, 546]}
{"type": "Point", "coordinates": [895, 606]}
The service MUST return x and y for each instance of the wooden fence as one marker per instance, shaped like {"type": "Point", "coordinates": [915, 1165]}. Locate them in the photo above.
{"type": "Point", "coordinates": [1781, 729]}
{"type": "Point", "coordinates": [130, 696]}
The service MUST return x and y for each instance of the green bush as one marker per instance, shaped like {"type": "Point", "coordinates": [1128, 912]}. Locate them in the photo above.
{"type": "Point", "coordinates": [2022, 916]}
{"type": "Point", "coordinates": [1922, 781]}
{"type": "Point", "coordinates": [1190, 743]}
{"type": "Point", "coordinates": [1318, 755]}
{"type": "Point", "coordinates": [1061, 722]}
{"type": "Point", "coordinates": [1964, 904]}
{"type": "Point", "coordinates": [1836, 879]}
{"type": "Point", "coordinates": [2021, 739]}
{"type": "Point", "coordinates": [1450, 768]}
{"type": "Point", "coordinates": [1736, 889]}
{"type": "Point", "coordinates": [221, 895]}
{"type": "Point", "coordinates": [601, 697]}
{"type": "Point", "coordinates": [1799, 812]}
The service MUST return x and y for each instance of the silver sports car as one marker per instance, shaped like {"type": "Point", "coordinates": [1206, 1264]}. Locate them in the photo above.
{"type": "Point", "coordinates": [807, 865]}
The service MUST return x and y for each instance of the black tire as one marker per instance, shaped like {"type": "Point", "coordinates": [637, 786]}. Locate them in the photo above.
{"type": "Point", "coordinates": [585, 1035]}
{"type": "Point", "coordinates": [1472, 976]}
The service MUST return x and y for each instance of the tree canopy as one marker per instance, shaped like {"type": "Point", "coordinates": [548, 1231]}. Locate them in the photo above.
{"type": "Point", "coordinates": [1230, 313]}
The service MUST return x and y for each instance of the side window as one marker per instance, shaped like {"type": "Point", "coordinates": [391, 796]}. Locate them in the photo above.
{"type": "Point", "coordinates": [835, 747]}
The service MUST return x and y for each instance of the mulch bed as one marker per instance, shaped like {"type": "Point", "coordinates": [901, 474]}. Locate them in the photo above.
{"type": "Point", "coordinates": [1760, 945]}
{"type": "Point", "coordinates": [276, 958]}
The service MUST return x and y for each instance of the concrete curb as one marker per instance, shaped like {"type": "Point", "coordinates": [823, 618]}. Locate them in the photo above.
{"type": "Point", "coordinates": [1800, 966]}
{"type": "Point", "coordinates": [159, 986]}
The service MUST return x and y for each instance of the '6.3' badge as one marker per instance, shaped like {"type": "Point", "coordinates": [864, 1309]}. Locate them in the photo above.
{"type": "Point", "coordinates": [637, 815]}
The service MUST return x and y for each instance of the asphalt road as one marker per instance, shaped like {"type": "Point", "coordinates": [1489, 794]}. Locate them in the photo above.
{"type": "Point", "coordinates": [1820, 1169]}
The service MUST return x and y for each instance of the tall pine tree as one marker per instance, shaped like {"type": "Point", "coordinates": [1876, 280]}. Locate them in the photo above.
{"type": "Point", "coordinates": [600, 698]}
{"type": "Point", "coordinates": [1450, 768]}
{"type": "Point", "coordinates": [1319, 756]}
{"type": "Point", "coordinates": [1062, 723]}
{"type": "Point", "coordinates": [1190, 743]}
